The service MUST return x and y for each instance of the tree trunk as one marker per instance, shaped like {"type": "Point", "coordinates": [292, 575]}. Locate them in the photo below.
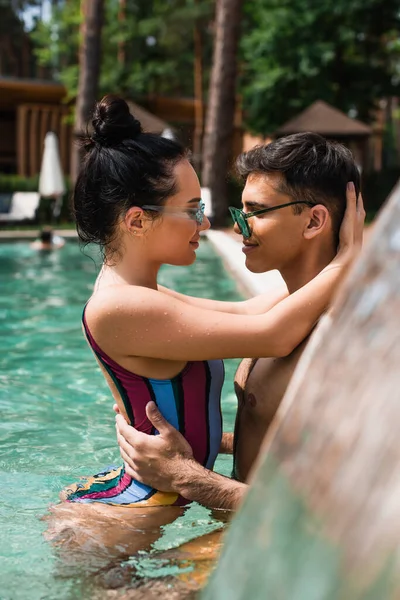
{"type": "Point", "coordinates": [198, 95]}
{"type": "Point", "coordinates": [122, 44]}
{"type": "Point", "coordinates": [89, 71]}
{"type": "Point", "coordinates": [322, 516]}
{"type": "Point", "coordinates": [217, 144]}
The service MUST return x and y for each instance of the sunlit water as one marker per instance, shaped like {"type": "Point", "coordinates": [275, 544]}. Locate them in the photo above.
{"type": "Point", "coordinates": [56, 412]}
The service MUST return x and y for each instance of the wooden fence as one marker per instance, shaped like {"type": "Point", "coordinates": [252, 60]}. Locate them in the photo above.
{"type": "Point", "coordinates": [33, 122]}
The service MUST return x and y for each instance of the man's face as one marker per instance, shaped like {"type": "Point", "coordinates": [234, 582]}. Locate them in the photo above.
{"type": "Point", "coordinates": [276, 240]}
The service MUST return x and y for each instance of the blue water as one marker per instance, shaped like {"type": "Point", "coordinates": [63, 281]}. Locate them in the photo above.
{"type": "Point", "coordinates": [56, 412]}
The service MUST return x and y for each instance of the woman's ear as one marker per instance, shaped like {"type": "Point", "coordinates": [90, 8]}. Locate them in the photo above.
{"type": "Point", "coordinates": [318, 222]}
{"type": "Point", "coordinates": [133, 220]}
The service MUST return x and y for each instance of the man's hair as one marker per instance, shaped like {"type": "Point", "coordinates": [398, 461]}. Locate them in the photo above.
{"type": "Point", "coordinates": [313, 168]}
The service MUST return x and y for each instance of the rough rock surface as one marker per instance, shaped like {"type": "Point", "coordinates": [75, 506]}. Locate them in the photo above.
{"type": "Point", "coordinates": [322, 519]}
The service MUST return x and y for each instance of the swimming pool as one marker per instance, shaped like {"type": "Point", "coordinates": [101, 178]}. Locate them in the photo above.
{"type": "Point", "coordinates": [56, 412]}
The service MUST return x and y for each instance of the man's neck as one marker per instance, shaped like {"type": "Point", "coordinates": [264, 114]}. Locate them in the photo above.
{"type": "Point", "coordinates": [306, 268]}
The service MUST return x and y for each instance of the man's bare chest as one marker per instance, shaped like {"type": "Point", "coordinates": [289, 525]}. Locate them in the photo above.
{"type": "Point", "coordinates": [264, 384]}
{"type": "Point", "coordinates": [265, 388]}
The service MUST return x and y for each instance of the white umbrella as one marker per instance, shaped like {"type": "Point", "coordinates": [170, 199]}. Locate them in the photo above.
{"type": "Point", "coordinates": [207, 199]}
{"type": "Point", "coordinates": [51, 180]}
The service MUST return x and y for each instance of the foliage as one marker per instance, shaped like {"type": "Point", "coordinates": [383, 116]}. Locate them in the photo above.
{"type": "Point", "coordinates": [18, 6]}
{"type": "Point", "coordinates": [15, 183]}
{"type": "Point", "coordinates": [11, 15]}
{"type": "Point", "coordinates": [45, 211]}
{"type": "Point", "coordinates": [156, 39]}
{"type": "Point", "coordinates": [345, 52]}
{"type": "Point", "coordinates": [297, 51]}
{"type": "Point", "coordinates": [57, 43]}
{"type": "Point", "coordinates": [9, 20]}
{"type": "Point", "coordinates": [158, 43]}
{"type": "Point", "coordinates": [377, 186]}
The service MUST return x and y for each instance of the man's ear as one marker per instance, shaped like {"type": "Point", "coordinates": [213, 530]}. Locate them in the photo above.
{"type": "Point", "coordinates": [318, 222]}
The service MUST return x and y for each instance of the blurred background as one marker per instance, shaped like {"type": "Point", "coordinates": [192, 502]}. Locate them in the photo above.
{"type": "Point", "coordinates": [222, 75]}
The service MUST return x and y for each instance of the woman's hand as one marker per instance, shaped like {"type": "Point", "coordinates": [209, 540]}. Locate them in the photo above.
{"type": "Point", "coordinates": [351, 230]}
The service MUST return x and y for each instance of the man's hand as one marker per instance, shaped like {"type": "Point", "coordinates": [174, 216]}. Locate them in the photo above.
{"type": "Point", "coordinates": [165, 462]}
{"type": "Point", "coordinates": [155, 460]}
{"type": "Point", "coordinates": [352, 227]}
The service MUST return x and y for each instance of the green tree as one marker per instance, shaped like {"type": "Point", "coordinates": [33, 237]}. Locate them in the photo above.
{"type": "Point", "coordinates": [15, 44]}
{"type": "Point", "coordinates": [89, 70]}
{"type": "Point", "coordinates": [219, 128]}
{"type": "Point", "coordinates": [158, 46]}
{"type": "Point", "coordinates": [57, 43]}
{"type": "Point", "coordinates": [296, 51]}
{"type": "Point", "coordinates": [156, 37]}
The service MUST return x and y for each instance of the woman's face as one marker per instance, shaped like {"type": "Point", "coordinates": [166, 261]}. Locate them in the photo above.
{"type": "Point", "coordinates": [174, 236]}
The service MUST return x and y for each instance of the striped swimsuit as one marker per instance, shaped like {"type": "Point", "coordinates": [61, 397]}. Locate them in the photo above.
{"type": "Point", "coordinates": [191, 402]}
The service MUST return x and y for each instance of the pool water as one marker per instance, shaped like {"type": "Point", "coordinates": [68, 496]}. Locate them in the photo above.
{"type": "Point", "coordinates": [57, 422]}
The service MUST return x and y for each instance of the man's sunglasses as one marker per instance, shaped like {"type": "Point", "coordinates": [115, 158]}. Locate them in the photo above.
{"type": "Point", "coordinates": [240, 218]}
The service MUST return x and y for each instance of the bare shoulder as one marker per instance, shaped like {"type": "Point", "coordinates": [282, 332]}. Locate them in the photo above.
{"type": "Point", "coordinates": [114, 302]}
{"type": "Point", "coordinates": [121, 296]}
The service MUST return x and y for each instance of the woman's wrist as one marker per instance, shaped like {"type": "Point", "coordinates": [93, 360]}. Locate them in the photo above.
{"type": "Point", "coordinates": [344, 257]}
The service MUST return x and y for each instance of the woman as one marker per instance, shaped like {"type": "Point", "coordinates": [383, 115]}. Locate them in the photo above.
{"type": "Point", "coordinates": [138, 197]}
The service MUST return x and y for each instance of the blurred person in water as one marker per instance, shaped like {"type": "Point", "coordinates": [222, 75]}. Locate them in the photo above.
{"type": "Point", "coordinates": [47, 240]}
{"type": "Point", "coordinates": [138, 197]}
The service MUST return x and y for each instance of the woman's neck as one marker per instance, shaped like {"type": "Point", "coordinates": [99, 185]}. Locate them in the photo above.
{"type": "Point", "coordinates": [128, 272]}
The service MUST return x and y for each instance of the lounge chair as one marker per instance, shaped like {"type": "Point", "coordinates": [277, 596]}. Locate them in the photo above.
{"type": "Point", "coordinates": [23, 207]}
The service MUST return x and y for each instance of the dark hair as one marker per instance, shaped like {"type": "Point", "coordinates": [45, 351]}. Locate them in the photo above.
{"type": "Point", "coordinates": [123, 167]}
{"type": "Point", "coordinates": [46, 236]}
{"type": "Point", "coordinates": [313, 168]}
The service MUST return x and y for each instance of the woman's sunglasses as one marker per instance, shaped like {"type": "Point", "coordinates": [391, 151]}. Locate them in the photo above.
{"type": "Point", "coordinates": [240, 218]}
{"type": "Point", "coordinates": [196, 214]}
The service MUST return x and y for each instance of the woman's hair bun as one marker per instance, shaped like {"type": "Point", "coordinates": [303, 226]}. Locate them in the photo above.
{"type": "Point", "coordinates": [113, 123]}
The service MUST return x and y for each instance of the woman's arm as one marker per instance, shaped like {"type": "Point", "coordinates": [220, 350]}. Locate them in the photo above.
{"type": "Point", "coordinates": [147, 323]}
{"type": "Point", "coordinates": [254, 306]}
{"type": "Point", "coordinates": [150, 324]}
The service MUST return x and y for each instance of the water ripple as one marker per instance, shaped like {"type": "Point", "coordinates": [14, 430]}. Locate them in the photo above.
{"type": "Point", "coordinates": [57, 421]}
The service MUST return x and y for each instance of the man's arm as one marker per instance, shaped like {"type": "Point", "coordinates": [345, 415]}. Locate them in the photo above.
{"type": "Point", "coordinates": [195, 482]}
{"type": "Point", "coordinates": [166, 462]}
{"type": "Point", "coordinates": [226, 446]}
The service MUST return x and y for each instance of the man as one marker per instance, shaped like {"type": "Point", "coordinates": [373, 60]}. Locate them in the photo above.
{"type": "Point", "coordinates": [295, 192]}
{"type": "Point", "coordinates": [48, 241]}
